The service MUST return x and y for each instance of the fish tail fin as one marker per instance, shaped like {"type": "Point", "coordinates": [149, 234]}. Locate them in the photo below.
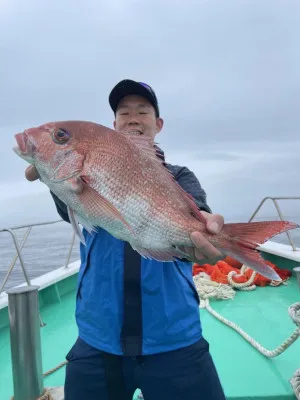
{"type": "Point", "coordinates": [244, 238]}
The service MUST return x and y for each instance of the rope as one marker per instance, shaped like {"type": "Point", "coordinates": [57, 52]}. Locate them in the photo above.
{"type": "Point", "coordinates": [294, 312]}
{"type": "Point", "coordinates": [55, 369]}
{"type": "Point", "coordinates": [295, 383]}
{"type": "Point", "coordinates": [45, 396]}
{"type": "Point", "coordinates": [248, 285]}
{"type": "Point", "coordinates": [207, 288]}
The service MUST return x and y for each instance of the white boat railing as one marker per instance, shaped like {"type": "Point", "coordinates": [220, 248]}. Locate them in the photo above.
{"type": "Point", "coordinates": [19, 247]}
{"type": "Point", "coordinates": [275, 202]}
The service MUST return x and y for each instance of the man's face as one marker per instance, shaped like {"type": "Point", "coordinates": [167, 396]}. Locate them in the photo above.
{"type": "Point", "coordinates": [136, 115]}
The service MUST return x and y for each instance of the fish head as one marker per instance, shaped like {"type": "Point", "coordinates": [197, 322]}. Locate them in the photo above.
{"type": "Point", "coordinates": [49, 146]}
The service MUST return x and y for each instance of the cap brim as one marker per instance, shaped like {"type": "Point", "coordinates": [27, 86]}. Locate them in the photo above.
{"type": "Point", "coordinates": [128, 87]}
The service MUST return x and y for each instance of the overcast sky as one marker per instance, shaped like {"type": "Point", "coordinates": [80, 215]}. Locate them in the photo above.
{"type": "Point", "coordinates": [226, 74]}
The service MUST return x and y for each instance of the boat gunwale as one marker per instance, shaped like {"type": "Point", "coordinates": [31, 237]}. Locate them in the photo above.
{"type": "Point", "coordinates": [46, 280]}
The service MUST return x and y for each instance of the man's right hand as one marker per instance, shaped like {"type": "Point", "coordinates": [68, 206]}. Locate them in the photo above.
{"type": "Point", "coordinates": [31, 173]}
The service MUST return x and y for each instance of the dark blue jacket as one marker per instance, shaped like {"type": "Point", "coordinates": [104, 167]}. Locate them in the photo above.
{"type": "Point", "coordinates": [123, 299]}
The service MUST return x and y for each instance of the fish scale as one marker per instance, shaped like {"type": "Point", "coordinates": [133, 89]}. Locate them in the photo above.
{"type": "Point", "coordinates": [115, 181]}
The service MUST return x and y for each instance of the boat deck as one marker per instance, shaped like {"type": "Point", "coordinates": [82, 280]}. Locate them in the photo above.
{"type": "Point", "coordinates": [245, 373]}
{"type": "Point", "coordinates": [263, 314]}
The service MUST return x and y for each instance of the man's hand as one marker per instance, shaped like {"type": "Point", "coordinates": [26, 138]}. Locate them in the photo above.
{"type": "Point", "coordinates": [31, 173]}
{"type": "Point", "coordinates": [204, 251]}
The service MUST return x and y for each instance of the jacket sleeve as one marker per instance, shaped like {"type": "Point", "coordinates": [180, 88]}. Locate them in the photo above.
{"type": "Point", "coordinates": [188, 181]}
{"type": "Point", "coordinates": [61, 208]}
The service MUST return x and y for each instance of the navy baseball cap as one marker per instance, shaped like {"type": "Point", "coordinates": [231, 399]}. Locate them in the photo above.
{"type": "Point", "coordinates": [129, 87]}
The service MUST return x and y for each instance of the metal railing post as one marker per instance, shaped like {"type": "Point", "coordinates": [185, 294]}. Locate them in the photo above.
{"type": "Point", "coordinates": [70, 249]}
{"type": "Point", "coordinates": [25, 338]}
{"type": "Point", "coordinates": [15, 259]}
{"type": "Point", "coordinates": [297, 273]}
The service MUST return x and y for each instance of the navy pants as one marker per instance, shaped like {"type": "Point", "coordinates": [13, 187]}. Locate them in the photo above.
{"type": "Point", "coordinates": [187, 373]}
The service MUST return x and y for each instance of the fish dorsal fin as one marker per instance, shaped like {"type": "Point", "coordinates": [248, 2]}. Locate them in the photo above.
{"type": "Point", "coordinates": [148, 147]}
{"type": "Point", "coordinates": [145, 144]}
{"type": "Point", "coordinates": [151, 150]}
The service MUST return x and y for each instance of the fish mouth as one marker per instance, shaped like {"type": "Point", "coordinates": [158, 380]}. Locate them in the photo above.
{"type": "Point", "coordinates": [22, 141]}
{"type": "Point", "coordinates": [25, 146]}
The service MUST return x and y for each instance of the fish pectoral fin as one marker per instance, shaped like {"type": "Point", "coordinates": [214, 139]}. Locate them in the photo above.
{"type": "Point", "coordinates": [74, 223]}
{"type": "Point", "coordinates": [75, 184]}
{"type": "Point", "coordinates": [98, 202]}
{"type": "Point", "coordinates": [70, 166]}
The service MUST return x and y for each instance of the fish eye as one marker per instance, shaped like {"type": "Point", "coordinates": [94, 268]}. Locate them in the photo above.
{"type": "Point", "coordinates": [61, 136]}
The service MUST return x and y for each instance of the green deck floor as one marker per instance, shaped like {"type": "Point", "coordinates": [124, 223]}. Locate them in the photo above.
{"type": "Point", "coordinates": [263, 314]}
{"type": "Point", "coordinates": [245, 374]}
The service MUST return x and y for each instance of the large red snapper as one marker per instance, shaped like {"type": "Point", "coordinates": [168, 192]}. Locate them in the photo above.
{"type": "Point", "coordinates": [115, 181]}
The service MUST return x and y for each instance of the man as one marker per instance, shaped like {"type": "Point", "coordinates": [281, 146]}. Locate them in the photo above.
{"type": "Point", "coordinates": [138, 319]}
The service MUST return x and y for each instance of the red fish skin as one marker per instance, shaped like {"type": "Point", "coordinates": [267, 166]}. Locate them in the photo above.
{"type": "Point", "coordinates": [114, 180]}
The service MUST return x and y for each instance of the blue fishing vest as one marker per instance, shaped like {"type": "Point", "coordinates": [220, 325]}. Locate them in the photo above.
{"type": "Point", "coordinates": [170, 303]}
